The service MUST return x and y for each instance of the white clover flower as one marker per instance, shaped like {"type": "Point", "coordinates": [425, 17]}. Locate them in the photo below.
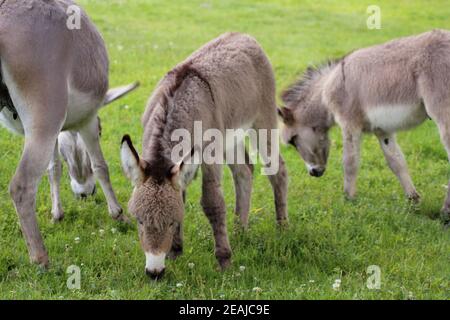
{"type": "Point", "coordinates": [77, 240]}
{"type": "Point", "coordinates": [242, 268]}
{"type": "Point", "coordinates": [257, 290]}
{"type": "Point", "coordinates": [113, 230]}
{"type": "Point", "coordinates": [191, 265]}
{"type": "Point", "coordinates": [337, 285]}
{"type": "Point", "coordinates": [101, 232]}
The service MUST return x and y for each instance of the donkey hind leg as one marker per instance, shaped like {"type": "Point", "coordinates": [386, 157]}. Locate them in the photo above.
{"type": "Point", "coordinates": [213, 204]}
{"type": "Point", "coordinates": [352, 144]}
{"type": "Point", "coordinates": [397, 163]}
{"type": "Point", "coordinates": [91, 137]}
{"type": "Point", "coordinates": [441, 115]}
{"type": "Point", "coordinates": [243, 182]}
{"type": "Point", "coordinates": [275, 167]}
{"type": "Point", "coordinates": [54, 176]}
{"type": "Point", "coordinates": [36, 156]}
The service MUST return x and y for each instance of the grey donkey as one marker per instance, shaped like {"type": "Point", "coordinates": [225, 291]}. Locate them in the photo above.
{"type": "Point", "coordinates": [57, 79]}
{"type": "Point", "coordinates": [226, 84]}
{"type": "Point", "coordinates": [381, 90]}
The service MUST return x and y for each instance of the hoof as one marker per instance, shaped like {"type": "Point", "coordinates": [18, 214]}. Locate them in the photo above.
{"type": "Point", "coordinates": [42, 261]}
{"type": "Point", "coordinates": [57, 218]}
{"type": "Point", "coordinates": [174, 254]}
{"type": "Point", "coordinates": [283, 223]}
{"type": "Point", "coordinates": [414, 198]}
{"type": "Point", "coordinates": [121, 217]}
{"type": "Point", "coordinates": [224, 261]}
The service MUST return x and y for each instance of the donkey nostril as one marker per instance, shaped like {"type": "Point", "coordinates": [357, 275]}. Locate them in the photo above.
{"type": "Point", "coordinates": [155, 275]}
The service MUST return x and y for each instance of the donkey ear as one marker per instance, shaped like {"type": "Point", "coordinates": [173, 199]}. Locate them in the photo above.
{"type": "Point", "coordinates": [176, 170]}
{"type": "Point", "coordinates": [131, 162]}
{"type": "Point", "coordinates": [286, 114]}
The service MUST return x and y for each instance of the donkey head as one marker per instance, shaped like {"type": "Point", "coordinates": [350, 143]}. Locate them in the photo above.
{"type": "Point", "coordinates": [157, 205]}
{"type": "Point", "coordinates": [307, 123]}
{"type": "Point", "coordinates": [74, 153]}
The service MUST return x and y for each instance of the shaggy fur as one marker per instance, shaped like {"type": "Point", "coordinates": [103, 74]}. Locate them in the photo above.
{"type": "Point", "coordinates": [227, 84]}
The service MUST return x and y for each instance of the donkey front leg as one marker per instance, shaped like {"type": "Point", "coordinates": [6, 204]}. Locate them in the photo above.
{"type": "Point", "coordinates": [91, 137]}
{"type": "Point", "coordinates": [397, 163]}
{"type": "Point", "coordinates": [214, 207]}
{"type": "Point", "coordinates": [352, 143]}
{"type": "Point", "coordinates": [177, 243]}
{"type": "Point", "coordinates": [54, 176]}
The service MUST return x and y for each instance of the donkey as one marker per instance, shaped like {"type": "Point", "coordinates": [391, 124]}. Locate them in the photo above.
{"type": "Point", "coordinates": [57, 79]}
{"type": "Point", "coordinates": [227, 84]}
{"type": "Point", "coordinates": [381, 90]}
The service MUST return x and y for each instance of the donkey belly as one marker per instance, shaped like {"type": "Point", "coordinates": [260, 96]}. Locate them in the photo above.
{"type": "Point", "coordinates": [393, 118]}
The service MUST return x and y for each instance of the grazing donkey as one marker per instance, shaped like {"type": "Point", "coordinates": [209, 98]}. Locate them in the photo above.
{"type": "Point", "coordinates": [381, 90]}
{"type": "Point", "coordinates": [227, 84]}
{"type": "Point", "coordinates": [57, 79]}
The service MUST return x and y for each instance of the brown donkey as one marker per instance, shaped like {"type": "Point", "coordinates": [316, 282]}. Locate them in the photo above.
{"type": "Point", "coordinates": [381, 90]}
{"type": "Point", "coordinates": [227, 84]}
{"type": "Point", "coordinates": [57, 79]}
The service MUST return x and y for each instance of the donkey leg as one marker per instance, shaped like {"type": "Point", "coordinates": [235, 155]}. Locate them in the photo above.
{"type": "Point", "coordinates": [443, 122]}
{"type": "Point", "coordinates": [177, 243]}
{"type": "Point", "coordinates": [352, 144]}
{"type": "Point", "coordinates": [275, 167]}
{"type": "Point", "coordinates": [91, 137]}
{"type": "Point", "coordinates": [214, 207]}
{"type": "Point", "coordinates": [243, 182]}
{"type": "Point", "coordinates": [397, 163]}
{"type": "Point", "coordinates": [54, 175]}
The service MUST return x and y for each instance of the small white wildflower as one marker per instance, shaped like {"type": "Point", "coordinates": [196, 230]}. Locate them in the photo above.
{"type": "Point", "coordinates": [337, 285]}
{"type": "Point", "coordinates": [191, 265]}
{"type": "Point", "coordinates": [101, 232]}
{"type": "Point", "coordinates": [311, 281]}
{"type": "Point", "coordinates": [242, 268]}
{"type": "Point", "coordinates": [77, 240]}
{"type": "Point", "coordinates": [113, 230]}
{"type": "Point", "coordinates": [179, 285]}
{"type": "Point", "coordinates": [257, 289]}
{"type": "Point", "coordinates": [93, 234]}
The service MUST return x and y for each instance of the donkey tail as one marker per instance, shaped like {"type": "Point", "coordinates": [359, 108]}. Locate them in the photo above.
{"type": "Point", "coordinates": [119, 92]}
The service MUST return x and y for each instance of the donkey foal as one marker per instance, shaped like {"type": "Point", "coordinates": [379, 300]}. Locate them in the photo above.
{"type": "Point", "coordinates": [227, 84]}
{"type": "Point", "coordinates": [380, 90]}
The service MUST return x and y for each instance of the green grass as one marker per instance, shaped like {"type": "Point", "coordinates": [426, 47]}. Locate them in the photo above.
{"type": "Point", "coordinates": [328, 237]}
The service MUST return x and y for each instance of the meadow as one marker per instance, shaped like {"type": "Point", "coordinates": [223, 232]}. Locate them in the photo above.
{"type": "Point", "coordinates": [329, 238]}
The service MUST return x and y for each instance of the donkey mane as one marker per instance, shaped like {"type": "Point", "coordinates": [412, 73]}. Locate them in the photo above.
{"type": "Point", "coordinates": [159, 163]}
{"type": "Point", "coordinates": [296, 93]}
